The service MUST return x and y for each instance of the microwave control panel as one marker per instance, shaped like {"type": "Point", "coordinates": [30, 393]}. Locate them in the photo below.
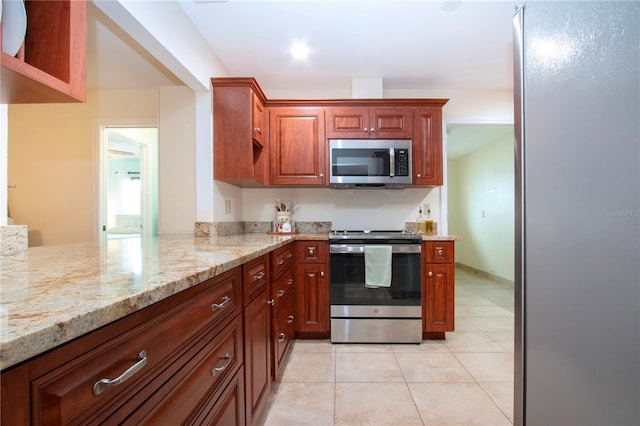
{"type": "Point", "coordinates": [401, 162]}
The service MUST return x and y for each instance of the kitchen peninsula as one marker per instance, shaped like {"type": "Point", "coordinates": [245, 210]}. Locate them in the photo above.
{"type": "Point", "coordinates": [61, 296]}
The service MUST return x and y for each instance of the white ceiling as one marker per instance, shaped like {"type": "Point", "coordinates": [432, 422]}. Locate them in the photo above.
{"type": "Point", "coordinates": [418, 44]}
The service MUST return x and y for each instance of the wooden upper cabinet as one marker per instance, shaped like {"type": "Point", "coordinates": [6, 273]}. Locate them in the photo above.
{"type": "Point", "coordinates": [240, 145]}
{"type": "Point", "coordinates": [51, 65]}
{"type": "Point", "coordinates": [297, 146]}
{"type": "Point", "coordinates": [361, 122]}
{"type": "Point", "coordinates": [427, 146]}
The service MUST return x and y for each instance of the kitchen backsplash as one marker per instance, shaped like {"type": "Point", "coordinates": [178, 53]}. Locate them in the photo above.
{"type": "Point", "coordinates": [221, 229]}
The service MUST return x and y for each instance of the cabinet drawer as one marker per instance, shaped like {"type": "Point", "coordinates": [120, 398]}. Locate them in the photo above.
{"type": "Point", "coordinates": [438, 251]}
{"type": "Point", "coordinates": [283, 330]}
{"type": "Point", "coordinates": [281, 289]}
{"type": "Point", "coordinates": [281, 260]}
{"type": "Point", "coordinates": [72, 393]}
{"type": "Point", "coordinates": [202, 378]}
{"type": "Point", "coordinates": [311, 251]}
{"type": "Point", "coordinates": [255, 277]}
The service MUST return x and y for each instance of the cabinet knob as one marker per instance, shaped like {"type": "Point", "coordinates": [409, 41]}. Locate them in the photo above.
{"type": "Point", "coordinates": [419, 175]}
{"type": "Point", "coordinates": [440, 252]}
{"type": "Point", "coordinates": [271, 302]}
{"type": "Point", "coordinates": [372, 130]}
{"type": "Point", "coordinates": [291, 318]}
{"type": "Point", "coordinates": [322, 273]}
{"type": "Point", "coordinates": [430, 274]}
{"type": "Point", "coordinates": [257, 129]}
{"type": "Point", "coordinates": [290, 255]}
{"type": "Point", "coordinates": [366, 129]}
{"type": "Point", "coordinates": [281, 337]}
{"type": "Point", "coordinates": [280, 293]}
{"type": "Point", "coordinates": [321, 175]}
{"type": "Point", "coordinates": [280, 261]}
{"type": "Point", "coordinates": [290, 281]}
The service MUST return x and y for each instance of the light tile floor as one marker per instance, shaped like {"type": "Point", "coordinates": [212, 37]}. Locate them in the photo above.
{"type": "Point", "coordinates": [466, 379]}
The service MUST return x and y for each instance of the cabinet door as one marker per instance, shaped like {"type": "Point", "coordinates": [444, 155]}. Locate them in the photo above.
{"type": "Point", "coordinates": [312, 298]}
{"type": "Point", "coordinates": [438, 298]}
{"type": "Point", "coordinates": [427, 147]}
{"type": "Point", "coordinates": [283, 330]}
{"type": "Point", "coordinates": [257, 120]}
{"type": "Point", "coordinates": [257, 355]}
{"type": "Point", "coordinates": [297, 146]}
{"type": "Point", "coordinates": [347, 122]}
{"type": "Point", "coordinates": [391, 123]}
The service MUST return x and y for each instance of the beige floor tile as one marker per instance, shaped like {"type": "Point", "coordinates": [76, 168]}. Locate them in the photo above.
{"type": "Point", "coordinates": [300, 404]}
{"type": "Point", "coordinates": [470, 341]}
{"type": "Point", "coordinates": [425, 346]}
{"type": "Point", "coordinates": [482, 311]}
{"type": "Point", "coordinates": [310, 367]}
{"type": "Point", "coordinates": [362, 347]}
{"type": "Point", "coordinates": [472, 300]}
{"type": "Point", "coordinates": [502, 395]}
{"type": "Point", "coordinates": [452, 404]}
{"type": "Point", "coordinates": [504, 339]}
{"type": "Point", "coordinates": [312, 346]}
{"type": "Point", "coordinates": [367, 367]}
{"type": "Point", "coordinates": [375, 404]}
{"type": "Point", "coordinates": [495, 323]}
{"type": "Point", "coordinates": [488, 367]}
{"type": "Point", "coordinates": [432, 367]}
{"type": "Point", "coordinates": [464, 324]}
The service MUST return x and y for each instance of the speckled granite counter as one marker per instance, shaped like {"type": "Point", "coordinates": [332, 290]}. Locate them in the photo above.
{"type": "Point", "coordinates": [51, 295]}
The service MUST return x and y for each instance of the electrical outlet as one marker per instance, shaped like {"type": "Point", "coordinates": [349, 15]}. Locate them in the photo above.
{"type": "Point", "coordinates": [227, 206]}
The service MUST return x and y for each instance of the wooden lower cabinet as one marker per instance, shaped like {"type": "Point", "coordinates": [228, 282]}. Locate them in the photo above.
{"type": "Point", "coordinates": [168, 349]}
{"type": "Point", "coordinates": [283, 328]}
{"type": "Point", "coordinates": [257, 336]}
{"type": "Point", "coordinates": [312, 291]}
{"type": "Point", "coordinates": [438, 295]}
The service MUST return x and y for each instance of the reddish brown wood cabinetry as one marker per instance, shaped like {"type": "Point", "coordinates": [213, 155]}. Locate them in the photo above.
{"type": "Point", "coordinates": [438, 295]}
{"type": "Point", "coordinates": [240, 149]}
{"type": "Point", "coordinates": [312, 293]}
{"type": "Point", "coordinates": [257, 337]}
{"type": "Point", "coordinates": [361, 122]}
{"type": "Point", "coordinates": [427, 146]}
{"type": "Point", "coordinates": [51, 66]}
{"type": "Point", "coordinates": [298, 148]}
{"type": "Point", "coordinates": [283, 307]}
{"type": "Point", "coordinates": [173, 345]}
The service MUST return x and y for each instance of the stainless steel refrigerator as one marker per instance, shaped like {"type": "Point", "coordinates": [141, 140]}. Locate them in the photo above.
{"type": "Point", "coordinates": [577, 356]}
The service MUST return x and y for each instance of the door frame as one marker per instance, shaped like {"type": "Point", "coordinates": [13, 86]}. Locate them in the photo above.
{"type": "Point", "coordinates": [147, 160]}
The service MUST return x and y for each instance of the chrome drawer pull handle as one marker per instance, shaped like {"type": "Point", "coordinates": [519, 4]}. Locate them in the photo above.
{"type": "Point", "coordinates": [280, 261]}
{"type": "Point", "coordinates": [259, 276]}
{"type": "Point", "coordinates": [290, 281]}
{"type": "Point", "coordinates": [290, 319]}
{"type": "Point", "coordinates": [280, 293]}
{"type": "Point", "coordinates": [101, 385]}
{"type": "Point", "coordinates": [227, 360]}
{"type": "Point", "coordinates": [281, 337]}
{"type": "Point", "coordinates": [290, 255]}
{"type": "Point", "coordinates": [225, 301]}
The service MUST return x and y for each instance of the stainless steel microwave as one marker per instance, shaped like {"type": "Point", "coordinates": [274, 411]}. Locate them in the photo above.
{"type": "Point", "coordinates": [370, 163]}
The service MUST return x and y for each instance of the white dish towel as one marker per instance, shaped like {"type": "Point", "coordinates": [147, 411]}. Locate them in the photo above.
{"type": "Point", "coordinates": [377, 266]}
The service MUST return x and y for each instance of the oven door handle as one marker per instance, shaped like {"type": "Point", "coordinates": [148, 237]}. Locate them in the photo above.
{"type": "Point", "coordinates": [359, 249]}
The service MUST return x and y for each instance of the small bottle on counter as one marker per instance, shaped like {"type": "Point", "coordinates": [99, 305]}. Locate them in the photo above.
{"type": "Point", "coordinates": [428, 223]}
{"type": "Point", "coordinates": [420, 223]}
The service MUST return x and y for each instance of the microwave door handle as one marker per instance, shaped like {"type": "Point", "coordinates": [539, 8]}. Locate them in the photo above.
{"type": "Point", "coordinates": [392, 162]}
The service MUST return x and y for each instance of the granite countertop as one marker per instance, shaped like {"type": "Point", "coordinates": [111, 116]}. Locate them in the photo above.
{"type": "Point", "coordinates": [50, 295]}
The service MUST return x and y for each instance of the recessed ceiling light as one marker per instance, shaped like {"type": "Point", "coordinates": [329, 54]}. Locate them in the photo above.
{"type": "Point", "coordinates": [299, 50]}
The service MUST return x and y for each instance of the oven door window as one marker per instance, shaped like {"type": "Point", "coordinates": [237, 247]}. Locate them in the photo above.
{"type": "Point", "coordinates": [360, 162]}
{"type": "Point", "coordinates": [347, 281]}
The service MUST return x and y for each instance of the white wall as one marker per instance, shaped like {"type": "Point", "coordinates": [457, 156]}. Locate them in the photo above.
{"type": "Point", "coordinates": [481, 204]}
{"type": "Point", "coordinates": [346, 209]}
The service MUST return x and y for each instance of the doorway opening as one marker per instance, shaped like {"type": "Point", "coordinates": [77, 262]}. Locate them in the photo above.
{"type": "Point", "coordinates": [129, 183]}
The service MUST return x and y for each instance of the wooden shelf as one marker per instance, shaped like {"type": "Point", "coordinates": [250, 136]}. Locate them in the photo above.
{"type": "Point", "coordinates": [51, 67]}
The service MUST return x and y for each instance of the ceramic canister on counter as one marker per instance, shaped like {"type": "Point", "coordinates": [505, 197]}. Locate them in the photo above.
{"type": "Point", "coordinates": [283, 220]}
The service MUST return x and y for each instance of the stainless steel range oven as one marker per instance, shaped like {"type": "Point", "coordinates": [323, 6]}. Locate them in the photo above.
{"type": "Point", "coordinates": [363, 313]}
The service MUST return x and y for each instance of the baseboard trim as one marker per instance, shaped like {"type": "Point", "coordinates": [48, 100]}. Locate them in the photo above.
{"type": "Point", "coordinates": [484, 274]}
